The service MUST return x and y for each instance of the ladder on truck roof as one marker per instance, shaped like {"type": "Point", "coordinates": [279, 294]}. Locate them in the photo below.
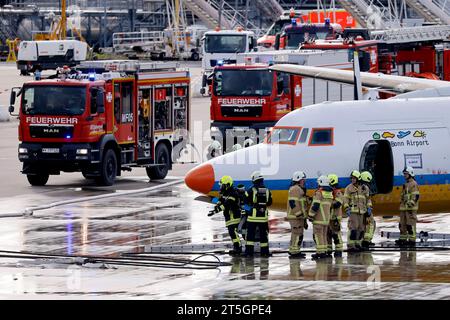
{"type": "Point", "coordinates": [127, 66]}
{"type": "Point", "coordinates": [411, 34]}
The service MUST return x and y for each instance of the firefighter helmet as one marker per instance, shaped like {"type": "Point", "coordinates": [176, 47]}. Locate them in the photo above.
{"type": "Point", "coordinates": [409, 170]}
{"type": "Point", "coordinates": [298, 175]}
{"type": "Point", "coordinates": [334, 179]}
{"type": "Point", "coordinates": [323, 181]}
{"type": "Point", "coordinates": [257, 176]}
{"type": "Point", "coordinates": [215, 145]}
{"type": "Point", "coordinates": [226, 181]}
{"type": "Point", "coordinates": [236, 147]}
{"type": "Point", "coordinates": [366, 176]}
{"type": "Point", "coordinates": [356, 174]}
{"type": "Point", "coordinates": [248, 143]}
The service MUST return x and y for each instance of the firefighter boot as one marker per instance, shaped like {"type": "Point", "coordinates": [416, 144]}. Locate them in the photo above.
{"type": "Point", "coordinates": [338, 254]}
{"type": "Point", "coordinates": [400, 242]}
{"type": "Point", "coordinates": [365, 245]}
{"type": "Point", "coordinates": [317, 256]}
{"type": "Point", "coordinates": [237, 250]}
{"type": "Point", "coordinates": [299, 255]}
{"type": "Point", "coordinates": [249, 251]}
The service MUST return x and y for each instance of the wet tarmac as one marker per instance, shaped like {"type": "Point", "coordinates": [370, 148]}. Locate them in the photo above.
{"type": "Point", "coordinates": [117, 232]}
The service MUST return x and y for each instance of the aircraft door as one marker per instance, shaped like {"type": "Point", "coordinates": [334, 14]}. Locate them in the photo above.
{"type": "Point", "coordinates": [377, 158]}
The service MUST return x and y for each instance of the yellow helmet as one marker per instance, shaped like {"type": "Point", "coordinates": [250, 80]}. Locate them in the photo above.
{"type": "Point", "coordinates": [226, 180]}
{"type": "Point", "coordinates": [334, 179]}
{"type": "Point", "coordinates": [366, 176]}
{"type": "Point", "coordinates": [356, 174]}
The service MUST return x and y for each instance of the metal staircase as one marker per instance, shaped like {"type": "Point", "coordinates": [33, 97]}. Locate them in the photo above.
{"type": "Point", "coordinates": [270, 8]}
{"type": "Point", "coordinates": [208, 13]}
{"type": "Point", "coordinates": [431, 11]}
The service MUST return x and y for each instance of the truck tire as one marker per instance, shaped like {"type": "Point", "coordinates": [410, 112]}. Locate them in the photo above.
{"type": "Point", "coordinates": [108, 169]}
{"type": "Point", "coordinates": [161, 157]}
{"type": "Point", "coordinates": [195, 56]}
{"type": "Point", "coordinates": [38, 179]}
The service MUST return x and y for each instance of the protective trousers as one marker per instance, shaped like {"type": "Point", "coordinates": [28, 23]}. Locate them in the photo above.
{"type": "Point", "coordinates": [408, 220]}
{"type": "Point", "coordinates": [320, 237]}
{"type": "Point", "coordinates": [334, 234]}
{"type": "Point", "coordinates": [252, 228]}
{"type": "Point", "coordinates": [234, 235]}
{"type": "Point", "coordinates": [355, 230]}
{"type": "Point", "coordinates": [370, 227]}
{"type": "Point", "coordinates": [297, 227]}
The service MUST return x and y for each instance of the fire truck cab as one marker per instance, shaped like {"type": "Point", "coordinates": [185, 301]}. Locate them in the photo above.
{"type": "Point", "coordinates": [293, 35]}
{"type": "Point", "coordinates": [249, 99]}
{"type": "Point", "coordinates": [102, 118]}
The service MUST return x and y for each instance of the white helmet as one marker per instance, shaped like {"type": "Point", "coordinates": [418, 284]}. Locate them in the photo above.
{"type": "Point", "coordinates": [298, 175]}
{"type": "Point", "coordinates": [409, 170]}
{"type": "Point", "coordinates": [323, 181]}
{"type": "Point", "coordinates": [215, 145]}
{"type": "Point", "coordinates": [236, 147]}
{"type": "Point", "coordinates": [248, 143]}
{"type": "Point", "coordinates": [256, 176]}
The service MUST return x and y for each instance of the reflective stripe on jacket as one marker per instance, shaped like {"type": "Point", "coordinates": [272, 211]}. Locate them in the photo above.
{"type": "Point", "coordinates": [357, 198]}
{"type": "Point", "coordinates": [409, 198]}
{"type": "Point", "coordinates": [259, 198]}
{"type": "Point", "coordinates": [324, 199]}
{"type": "Point", "coordinates": [298, 195]}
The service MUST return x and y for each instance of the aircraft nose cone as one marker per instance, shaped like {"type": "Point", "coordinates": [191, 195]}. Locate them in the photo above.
{"type": "Point", "coordinates": [201, 178]}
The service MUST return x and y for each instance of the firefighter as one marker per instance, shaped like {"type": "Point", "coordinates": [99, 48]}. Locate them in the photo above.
{"type": "Point", "coordinates": [334, 228]}
{"type": "Point", "coordinates": [214, 150]}
{"type": "Point", "coordinates": [319, 215]}
{"type": "Point", "coordinates": [297, 213]}
{"type": "Point", "coordinates": [409, 205]}
{"type": "Point", "coordinates": [356, 203]}
{"type": "Point", "coordinates": [369, 221]}
{"type": "Point", "coordinates": [259, 198]}
{"type": "Point", "coordinates": [229, 204]}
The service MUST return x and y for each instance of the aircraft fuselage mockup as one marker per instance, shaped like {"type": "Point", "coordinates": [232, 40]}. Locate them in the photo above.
{"type": "Point", "coordinates": [337, 137]}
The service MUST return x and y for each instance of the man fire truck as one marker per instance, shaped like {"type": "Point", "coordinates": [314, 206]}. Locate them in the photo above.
{"type": "Point", "coordinates": [104, 117]}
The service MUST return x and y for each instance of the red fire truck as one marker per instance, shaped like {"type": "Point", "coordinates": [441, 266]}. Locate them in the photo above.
{"type": "Point", "coordinates": [247, 99]}
{"type": "Point", "coordinates": [102, 118]}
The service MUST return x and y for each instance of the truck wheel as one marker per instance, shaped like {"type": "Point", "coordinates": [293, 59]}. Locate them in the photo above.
{"type": "Point", "coordinates": [161, 157]}
{"type": "Point", "coordinates": [108, 169]}
{"type": "Point", "coordinates": [38, 179]}
{"type": "Point", "coordinates": [195, 56]}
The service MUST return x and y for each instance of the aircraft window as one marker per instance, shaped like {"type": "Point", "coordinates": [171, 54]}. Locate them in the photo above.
{"type": "Point", "coordinates": [304, 135]}
{"type": "Point", "coordinates": [284, 135]}
{"type": "Point", "coordinates": [321, 137]}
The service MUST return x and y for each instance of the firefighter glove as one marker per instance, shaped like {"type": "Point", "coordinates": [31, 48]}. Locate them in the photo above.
{"type": "Point", "coordinates": [211, 213]}
{"type": "Point", "coordinates": [410, 204]}
{"type": "Point", "coordinates": [369, 211]}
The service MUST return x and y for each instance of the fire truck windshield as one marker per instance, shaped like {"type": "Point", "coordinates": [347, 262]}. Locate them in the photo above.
{"type": "Point", "coordinates": [238, 82]}
{"type": "Point", "coordinates": [294, 39]}
{"type": "Point", "coordinates": [225, 43]}
{"type": "Point", "coordinates": [53, 100]}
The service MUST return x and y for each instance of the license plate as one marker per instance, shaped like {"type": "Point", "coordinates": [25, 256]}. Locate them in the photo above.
{"type": "Point", "coordinates": [241, 128]}
{"type": "Point", "coordinates": [50, 150]}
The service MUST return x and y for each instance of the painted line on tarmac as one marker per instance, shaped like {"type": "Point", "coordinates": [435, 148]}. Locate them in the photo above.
{"type": "Point", "coordinates": [30, 210]}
